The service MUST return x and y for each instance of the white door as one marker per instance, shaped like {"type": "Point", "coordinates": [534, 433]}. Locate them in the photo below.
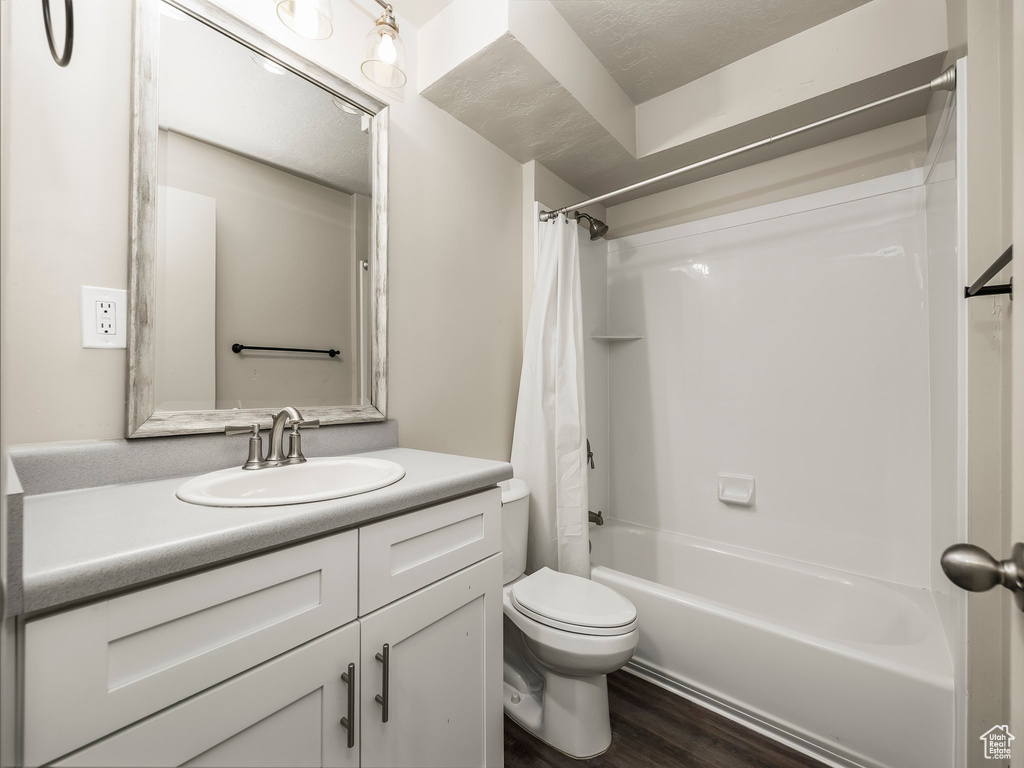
{"type": "Point", "coordinates": [185, 300]}
{"type": "Point", "coordinates": [284, 713]}
{"type": "Point", "coordinates": [1015, 629]}
{"type": "Point", "coordinates": [431, 675]}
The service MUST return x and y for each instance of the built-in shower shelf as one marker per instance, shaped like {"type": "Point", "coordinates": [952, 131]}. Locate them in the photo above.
{"type": "Point", "coordinates": [616, 338]}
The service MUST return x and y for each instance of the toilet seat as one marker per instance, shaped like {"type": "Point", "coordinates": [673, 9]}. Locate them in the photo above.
{"type": "Point", "coordinates": [572, 604]}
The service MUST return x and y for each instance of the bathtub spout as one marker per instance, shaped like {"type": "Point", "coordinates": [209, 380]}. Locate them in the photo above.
{"type": "Point", "coordinates": [596, 517]}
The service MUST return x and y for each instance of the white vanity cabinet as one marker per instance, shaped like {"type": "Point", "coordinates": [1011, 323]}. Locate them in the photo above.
{"type": "Point", "coordinates": [440, 676]}
{"type": "Point", "coordinates": [285, 713]}
{"type": "Point", "coordinates": [248, 664]}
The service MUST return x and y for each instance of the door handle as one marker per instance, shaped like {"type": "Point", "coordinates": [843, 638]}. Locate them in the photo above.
{"type": "Point", "coordinates": [382, 697]}
{"type": "Point", "coordinates": [349, 722]}
{"type": "Point", "coordinates": [974, 569]}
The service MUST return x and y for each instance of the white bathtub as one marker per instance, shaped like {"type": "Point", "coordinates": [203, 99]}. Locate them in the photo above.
{"type": "Point", "coordinates": [851, 670]}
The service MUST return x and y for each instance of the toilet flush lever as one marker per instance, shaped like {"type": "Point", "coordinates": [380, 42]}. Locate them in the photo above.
{"type": "Point", "coordinates": [974, 569]}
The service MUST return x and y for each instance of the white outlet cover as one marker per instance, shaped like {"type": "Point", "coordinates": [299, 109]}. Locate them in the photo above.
{"type": "Point", "coordinates": [92, 337]}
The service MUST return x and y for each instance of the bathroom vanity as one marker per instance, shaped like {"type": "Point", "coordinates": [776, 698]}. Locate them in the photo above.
{"type": "Point", "coordinates": [341, 631]}
{"type": "Point", "coordinates": [376, 642]}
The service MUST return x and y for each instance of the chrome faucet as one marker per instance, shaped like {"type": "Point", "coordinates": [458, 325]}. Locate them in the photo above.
{"type": "Point", "coordinates": [288, 417]}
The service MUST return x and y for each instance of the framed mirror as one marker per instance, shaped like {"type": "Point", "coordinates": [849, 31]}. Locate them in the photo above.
{"type": "Point", "coordinates": [258, 266]}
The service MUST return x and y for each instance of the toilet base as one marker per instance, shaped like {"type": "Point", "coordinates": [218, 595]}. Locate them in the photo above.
{"type": "Point", "coordinates": [567, 713]}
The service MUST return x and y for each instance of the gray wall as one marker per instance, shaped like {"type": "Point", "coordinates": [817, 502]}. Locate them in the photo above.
{"type": "Point", "coordinates": [286, 276]}
{"type": "Point", "coordinates": [455, 240]}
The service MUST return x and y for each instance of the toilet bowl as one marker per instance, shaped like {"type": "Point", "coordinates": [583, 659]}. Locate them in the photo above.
{"type": "Point", "coordinates": [563, 634]}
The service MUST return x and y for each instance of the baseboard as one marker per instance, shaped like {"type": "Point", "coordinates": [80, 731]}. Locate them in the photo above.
{"type": "Point", "coordinates": [744, 718]}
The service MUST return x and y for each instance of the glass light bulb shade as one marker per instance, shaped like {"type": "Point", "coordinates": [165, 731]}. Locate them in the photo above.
{"type": "Point", "coordinates": [310, 18]}
{"type": "Point", "coordinates": [384, 56]}
{"type": "Point", "coordinates": [272, 67]}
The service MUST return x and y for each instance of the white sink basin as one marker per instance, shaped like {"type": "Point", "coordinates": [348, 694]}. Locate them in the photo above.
{"type": "Point", "coordinates": [315, 480]}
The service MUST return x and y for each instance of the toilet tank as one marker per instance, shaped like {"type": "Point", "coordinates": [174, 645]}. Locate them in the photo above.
{"type": "Point", "coordinates": [515, 519]}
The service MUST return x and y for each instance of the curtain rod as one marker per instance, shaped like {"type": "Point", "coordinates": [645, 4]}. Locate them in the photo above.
{"type": "Point", "coordinates": [944, 82]}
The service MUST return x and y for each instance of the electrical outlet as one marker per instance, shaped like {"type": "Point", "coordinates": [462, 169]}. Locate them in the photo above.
{"type": "Point", "coordinates": [104, 312]}
{"type": "Point", "coordinates": [106, 318]}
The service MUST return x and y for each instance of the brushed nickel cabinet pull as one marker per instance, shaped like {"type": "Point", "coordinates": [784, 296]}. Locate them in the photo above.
{"type": "Point", "coordinates": [349, 723]}
{"type": "Point", "coordinates": [382, 697]}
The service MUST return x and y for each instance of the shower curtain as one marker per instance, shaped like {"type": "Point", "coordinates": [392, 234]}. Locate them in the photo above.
{"type": "Point", "coordinates": [549, 443]}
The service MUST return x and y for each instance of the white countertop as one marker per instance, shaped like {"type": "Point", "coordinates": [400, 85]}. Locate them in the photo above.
{"type": "Point", "coordinates": [81, 544]}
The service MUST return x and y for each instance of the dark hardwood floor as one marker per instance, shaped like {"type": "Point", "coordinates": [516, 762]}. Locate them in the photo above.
{"type": "Point", "coordinates": [653, 727]}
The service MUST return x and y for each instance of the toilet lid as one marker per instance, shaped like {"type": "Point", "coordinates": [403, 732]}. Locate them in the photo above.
{"type": "Point", "coordinates": [572, 600]}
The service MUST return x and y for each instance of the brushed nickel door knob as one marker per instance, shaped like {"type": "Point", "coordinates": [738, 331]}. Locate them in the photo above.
{"type": "Point", "coordinates": [974, 569]}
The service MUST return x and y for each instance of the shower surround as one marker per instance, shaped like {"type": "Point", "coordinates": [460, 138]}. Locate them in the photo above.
{"type": "Point", "coordinates": [812, 345]}
{"type": "Point", "coordinates": [790, 346]}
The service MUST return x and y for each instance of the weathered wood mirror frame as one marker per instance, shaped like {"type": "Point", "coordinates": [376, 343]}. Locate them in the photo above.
{"type": "Point", "coordinates": [143, 420]}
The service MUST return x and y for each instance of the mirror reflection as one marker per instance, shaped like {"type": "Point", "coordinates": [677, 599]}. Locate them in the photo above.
{"type": "Point", "coordinates": [263, 231]}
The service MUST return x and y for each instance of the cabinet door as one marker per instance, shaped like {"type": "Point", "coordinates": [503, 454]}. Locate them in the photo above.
{"type": "Point", "coordinates": [286, 712]}
{"type": "Point", "coordinates": [443, 691]}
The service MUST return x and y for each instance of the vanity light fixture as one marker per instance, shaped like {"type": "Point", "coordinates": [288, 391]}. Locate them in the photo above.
{"type": "Point", "coordinates": [384, 51]}
{"type": "Point", "coordinates": [310, 18]}
{"type": "Point", "coordinates": [271, 67]}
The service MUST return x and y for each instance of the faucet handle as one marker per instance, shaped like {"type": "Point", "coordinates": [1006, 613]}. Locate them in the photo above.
{"type": "Point", "coordinates": [238, 429]}
{"type": "Point", "coordinates": [295, 439]}
{"type": "Point", "coordinates": [255, 459]}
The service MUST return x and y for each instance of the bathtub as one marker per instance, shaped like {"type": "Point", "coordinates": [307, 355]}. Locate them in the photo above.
{"type": "Point", "coordinates": [850, 670]}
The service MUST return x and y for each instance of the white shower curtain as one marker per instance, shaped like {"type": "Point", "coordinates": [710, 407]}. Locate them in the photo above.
{"type": "Point", "coordinates": [549, 443]}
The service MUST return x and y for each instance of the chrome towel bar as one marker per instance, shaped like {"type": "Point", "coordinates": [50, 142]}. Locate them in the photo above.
{"type": "Point", "coordinates": [236, 348]}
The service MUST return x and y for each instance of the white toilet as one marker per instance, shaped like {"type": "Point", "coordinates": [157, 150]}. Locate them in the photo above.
{"type": "Point", "coordinates": [563, 635]}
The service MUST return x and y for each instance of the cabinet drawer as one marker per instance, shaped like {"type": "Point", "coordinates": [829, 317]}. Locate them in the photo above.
{"type": "Point", "coordinates": [403, 554]}
{"type": "Point", "coordinates": [283, 714]}
{"type": "Point", "coordinates": [92, 670]}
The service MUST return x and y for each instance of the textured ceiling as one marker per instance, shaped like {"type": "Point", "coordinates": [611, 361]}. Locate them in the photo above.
{"type": "Point", "coordinates": [509, 98]}
{"type": "Point", "coordinates": [651, 47]}
{"type": "Point", "coordinates": [212, 90]}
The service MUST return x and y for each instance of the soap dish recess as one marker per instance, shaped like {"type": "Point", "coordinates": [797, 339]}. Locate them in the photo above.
{"type": "Point", "coordinates": [736, 490]}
